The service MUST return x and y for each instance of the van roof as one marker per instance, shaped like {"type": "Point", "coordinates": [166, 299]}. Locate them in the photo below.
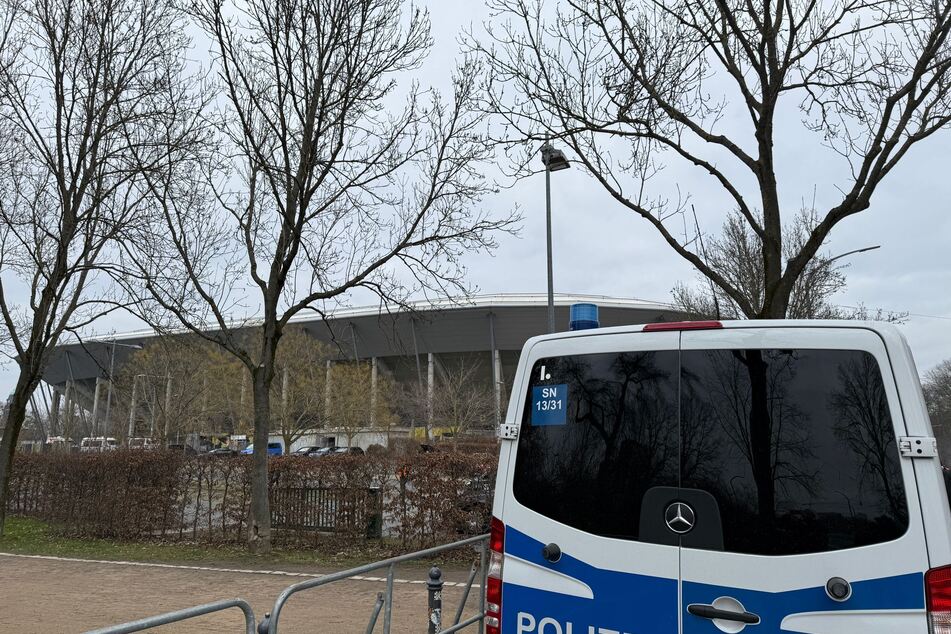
{"type": "Point", "coordinates": [890, 335]}
{"type": "Point", "coordinates": [888, 332]}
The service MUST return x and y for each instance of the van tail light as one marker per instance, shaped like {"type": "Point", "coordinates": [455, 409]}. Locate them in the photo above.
{"type": "Point", "coordinates": [938, 591]}
{"type": "Point", "coordinates": [493, 587]}
{"type": "Point", "coordinates": [682, 325]}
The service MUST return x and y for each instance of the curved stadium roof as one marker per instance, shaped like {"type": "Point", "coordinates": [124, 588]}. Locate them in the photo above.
{"type": "Point", "coordinates": [479, 324]}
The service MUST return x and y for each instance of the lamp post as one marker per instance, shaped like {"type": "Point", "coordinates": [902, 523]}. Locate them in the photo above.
{"type": "Point", "coordinates": [112, 367]}
{"type": "Point", "coordinates": [554, 161]}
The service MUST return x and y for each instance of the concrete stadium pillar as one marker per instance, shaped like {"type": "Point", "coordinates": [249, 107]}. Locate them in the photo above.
{"type": "Point", "coordinates": [496, 360]}
{"type": "Point", "coordinates": [497, 384]}
{"type": "Point", "coordinates": [168, 409]}
{"type": "Point", "coordinates": [153, 407]}
{"type": "Point", "coordinates": [95, 408]}
{"type": "Point", "coordinates": [430, 387]}
{"type": "Point", "coordinates": [73, 399]}
{"type": "Point", "coordinates": [327, 392]}
{"type": "Point", "coordinates": [54, 413]}
{"type": "Point", "coordinates": [68, 409]}
{"type": "Point", "coordinates": [242, 399]}
{"type": "Point", "coordinates": [284, 396]}
{"type": "Point", "coordinates": [374, 373]}
{"type": "Point", "coordinates": [204, 398]}
{"type": "Point", "coordinates": [132, 410]}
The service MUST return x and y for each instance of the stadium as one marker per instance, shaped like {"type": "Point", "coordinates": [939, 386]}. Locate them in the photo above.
{"type": "Point", "coordinates": [409, 345]}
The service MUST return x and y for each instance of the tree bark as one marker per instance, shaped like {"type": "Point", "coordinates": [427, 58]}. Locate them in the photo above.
{"type": "Point", "coordinates": [259, 538]}
{"type": "Point", "coordinates": [14, 423]}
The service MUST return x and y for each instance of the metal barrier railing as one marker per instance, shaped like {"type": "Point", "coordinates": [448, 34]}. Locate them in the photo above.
{"type": "Point", "coordinates": [384, 602]}
{"type": "Point", "coordinates": [183, 615]}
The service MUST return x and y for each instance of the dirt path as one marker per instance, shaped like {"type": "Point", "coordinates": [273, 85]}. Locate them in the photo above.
{"type": "Point", "coordinates": [47, 596]}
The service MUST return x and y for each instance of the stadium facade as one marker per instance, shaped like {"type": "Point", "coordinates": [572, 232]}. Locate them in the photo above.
{"type": "Point", "coordinates": [409, 345]}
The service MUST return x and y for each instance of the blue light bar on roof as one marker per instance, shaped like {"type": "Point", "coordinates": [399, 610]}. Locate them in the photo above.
{"type": "Point", "coordinates": [583, 317]}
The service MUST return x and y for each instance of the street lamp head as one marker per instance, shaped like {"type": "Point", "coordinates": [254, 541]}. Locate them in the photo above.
{"type": "Point", "coordinates": [553, 159]}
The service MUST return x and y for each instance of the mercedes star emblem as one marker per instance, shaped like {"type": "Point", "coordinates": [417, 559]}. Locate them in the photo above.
{"type": "Point", "coordinates": [680, 518]}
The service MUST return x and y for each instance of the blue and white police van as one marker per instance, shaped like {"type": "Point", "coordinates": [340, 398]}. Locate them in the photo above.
{"type": "Point", "coordinates": [706, 477]}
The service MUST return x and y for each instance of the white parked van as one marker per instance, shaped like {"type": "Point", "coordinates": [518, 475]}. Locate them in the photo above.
{"type": "Point", "coordinates": [98, 444]}
{"type": "Point", "coordinates": [699, 477]}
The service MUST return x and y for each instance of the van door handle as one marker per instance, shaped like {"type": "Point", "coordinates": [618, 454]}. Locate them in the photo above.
{"type": "Point", "coordinates": [710, 612]}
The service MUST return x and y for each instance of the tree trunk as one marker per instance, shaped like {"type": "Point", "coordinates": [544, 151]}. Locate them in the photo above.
{"type": "Point", "coordinates": [776, 301]}
{"type": "Point", "coordinates": [287, 432]}
{"type": "Point", "coordinates": [11, 432]}
{"type": "Point", "coordinates": [761, 436]}
{"type": "Point", "coordinates": [259, 537]}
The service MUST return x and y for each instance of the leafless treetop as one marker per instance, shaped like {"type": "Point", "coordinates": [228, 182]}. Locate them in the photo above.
{"type": "Point", "coordinates": [330, 176]}
{"type": "Point", "coordinates": [631, 85]}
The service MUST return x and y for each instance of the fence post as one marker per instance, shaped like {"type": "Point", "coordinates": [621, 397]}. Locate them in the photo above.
{"type": "Point", "coordinates": [434, 585]}
{"type": "Point", "coordinates": [265, 625]}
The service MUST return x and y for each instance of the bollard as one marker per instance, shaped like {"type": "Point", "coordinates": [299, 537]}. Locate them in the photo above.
{"type": "Point", "coordinates": [435, 600]}
{"type": "Point", "coordinates": [265, 623]}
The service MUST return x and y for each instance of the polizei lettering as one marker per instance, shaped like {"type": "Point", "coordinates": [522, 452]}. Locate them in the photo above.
{"type": "Point", "coordinates": [547, 625]}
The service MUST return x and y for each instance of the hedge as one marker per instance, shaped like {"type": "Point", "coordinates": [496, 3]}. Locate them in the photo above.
{"type": "Point", "coordinates": [418, 499]}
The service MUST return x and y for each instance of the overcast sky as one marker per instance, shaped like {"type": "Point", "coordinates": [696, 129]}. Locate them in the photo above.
{"type": "Point", "coordinates": [600, 248]}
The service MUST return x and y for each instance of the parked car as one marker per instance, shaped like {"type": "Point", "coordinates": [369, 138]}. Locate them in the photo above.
{"type": "Point", "coordinates": [308, 450]}
{"type": "Point", "coordinates": [273, 449]}
{"type": "Point", "coordinates": [222, 451]}
{"type": "Point", "coordinates": [60, 444]}
{"type": "Point", "coordinates": [98, 444]}
{"type": "Point", "coordinates": [341, 451]}
{"type": "Point", "coordinates": [142, 444]}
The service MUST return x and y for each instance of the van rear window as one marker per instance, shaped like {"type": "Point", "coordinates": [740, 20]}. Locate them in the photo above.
{"type": "Point", "coordinates": [590, 465]}
{"type": "Point", "coordinates": [797, 447]}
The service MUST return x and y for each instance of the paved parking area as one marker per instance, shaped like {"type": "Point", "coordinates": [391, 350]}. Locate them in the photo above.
{"type": "Point", "coordinates": [51, 595]}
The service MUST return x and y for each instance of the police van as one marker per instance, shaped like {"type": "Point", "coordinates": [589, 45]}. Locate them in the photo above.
{"type": "Point", "coordinates": [706, 477]}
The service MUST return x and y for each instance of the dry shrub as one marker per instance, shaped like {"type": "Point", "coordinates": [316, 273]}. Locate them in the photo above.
{"type": "Point", "coordinates": [213, 498]}
{"type": "Point", "coordinates": [442, 497]}
{"type": "Point", "coordinates": [118, 494]}
{"type": "Point", "coordinates": [425, 498]}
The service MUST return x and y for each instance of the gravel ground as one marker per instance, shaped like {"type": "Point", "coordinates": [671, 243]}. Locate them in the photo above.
{"type": "Point", "coordinates": [46, 596]}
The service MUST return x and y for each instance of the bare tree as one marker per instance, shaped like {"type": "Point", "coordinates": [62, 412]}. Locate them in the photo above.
{"type": "Point", "coordinates": [182, 384]}
{"type": "Point", "coordinates": [176, 382]}
{"type": "Point", "coordinates": [328, 181]}
{"type": "Point", "coordinates": [631, 84]}
{"type": "Point", "coordinates": [352, 409]}
{"type": "Point", "coordinates": [865, 424]}
{"type": "Point", "coordinates": [937, 389]}
{"type": "Point", "coordinates": [462, 402]}
{"type": "Point", "coordinates": [460, 399]}
{"type": "Point", "coordinates": [736, 254]}
{"type": "Point", "coordinates": [84, 85]}
{"type": "Point", "coordinates": [302, 389]}
{"type": "Point", "coordinates": [744, 394]}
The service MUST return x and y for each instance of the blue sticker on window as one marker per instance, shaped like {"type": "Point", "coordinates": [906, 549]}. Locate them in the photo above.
{"type": "Point", "coordinates": [550, 405]}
